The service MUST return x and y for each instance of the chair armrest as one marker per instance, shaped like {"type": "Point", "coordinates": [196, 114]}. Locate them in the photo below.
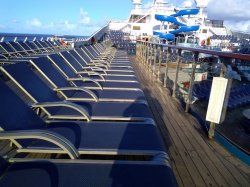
{"type": "Point", "coordinates": [71, 105]}
{"type": "Point", "coordinates": [51, 137]}
{"type": "Point", "coordinates": [92, 73]}
{"type": "Point", "coordinates": [89, 92]}
{"type": "Point", "coordinates": [94, 68]}
{"type": "Point", "coordinates": [86, 80]}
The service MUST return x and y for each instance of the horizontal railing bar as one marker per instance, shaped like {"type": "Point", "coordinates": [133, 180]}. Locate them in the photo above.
{"type": "Point", "coordinates": [206, 51]}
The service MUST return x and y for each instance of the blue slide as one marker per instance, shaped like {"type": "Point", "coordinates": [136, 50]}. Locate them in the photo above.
{"type": "Point", "coordinates": [192, 11]}
{"type": "Point", "coordinates": [172, 19]}
{"type": "Point", "coordinates": [166, 36]}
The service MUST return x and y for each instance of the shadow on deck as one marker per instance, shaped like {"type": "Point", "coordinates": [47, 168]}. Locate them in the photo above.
{"type": "Point", "coordinates": [196, 160]}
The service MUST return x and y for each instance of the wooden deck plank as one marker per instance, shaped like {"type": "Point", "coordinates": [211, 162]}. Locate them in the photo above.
{"type": "Point", "coordinates": [186, 135]}
{"type": "Point", "coordinates": [177, 163]}
{"type": "Point", "coordinates": [192, 170]}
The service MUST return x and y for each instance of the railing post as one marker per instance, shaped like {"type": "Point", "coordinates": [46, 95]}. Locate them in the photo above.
{"type": "Point", "coordinates": [144, 52]}
{"type": "Point", "coordinates": [191, 83]}
{"type": "Point", "coordinates": [222, 74]}
{"type": "Point", "coordinates": [159, 65]}
{"type": "Point", "coordinates": [151, 50]}
{"type": "Point", "coordinates": [165, 82]}
{"type": "Point", "coordinates": [177, 72]}
{"type": "Point", "coordinates": [147, 53]}
{"type": "Point", "coordinates": [154, 60]}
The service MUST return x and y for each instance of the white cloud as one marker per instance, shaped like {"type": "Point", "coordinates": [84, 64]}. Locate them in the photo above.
{"type": "Point", "coordinates": [84, 17]}
{"type": "Point", "coordinates": [234, 12]}
{"type": "Point", "coordinates": [187, 3]}
{"type": "Point", "coordinates": [148, 4]}
{"type": "Point", "coordinates": [229, 9]}
{"type": "Point", "coordinates": [34, 22]}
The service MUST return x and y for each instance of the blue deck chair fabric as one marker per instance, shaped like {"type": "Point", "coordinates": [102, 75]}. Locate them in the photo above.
{"type": "Point", "coordinates": [29, 81]}
{"type": "Point", "coordinates": [63, 174]}
{"type": "Point", "coordinates": [50, 73]}
{"type": "Point", "coordinates": [78, 63]}
{"type": "Point", "coordinates": [118, 78]}
{"type": "Point", "coordinates": [119, 137]}
{"type": "Point", "coordinates": [9, 51]}
{"type": "Point", "coordinates": [18, 48]}
{"type": "Point", "coordinates": [69, 73]}
{"type": "Point", "coordinates": [27, 48]}
{"type": "Point", "coordinates": [33, 46]}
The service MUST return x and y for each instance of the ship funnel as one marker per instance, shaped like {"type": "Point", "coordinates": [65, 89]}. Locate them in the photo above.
{"type": "Point", "coordinates": [137, 4]}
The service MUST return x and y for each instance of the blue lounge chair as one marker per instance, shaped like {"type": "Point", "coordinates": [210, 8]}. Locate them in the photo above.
{"type": "Point", "coordinates": [96, 173]}
{"type": "Point", "coordinates": [9, 51]}
{"type": "Point", "coordinates": [77, 56]}
{"type": "Point", "coordinates": [92, 74]}
{"type": "Point", "coordinates": [30, 133]}
{"type": "Point", "coordinates": [60, 84]}
{"type": "Point", "coordinates": [70, 75]}
{"type": "Point", "coordinates": [41, 95]}
{"type": "Point", "coordinates": [96, 59]}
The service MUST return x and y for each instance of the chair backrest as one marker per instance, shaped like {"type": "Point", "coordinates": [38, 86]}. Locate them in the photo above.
{"type": "Point", "coordinates": [3, 165]}
{"type": "Point", "coordinates": [53, 76]}
{"type": "Point", "coordinates": [30, 82]}
{"type": "Point", "coordinates": [86, 59]}
{"type": "Point", "coordinates": [86, 50]}
{"type": "Point", "coordinates": [92, 51]}
{"type": "Point", "coordinates": [69, 58]}
{"type": "Point", "coordinates": [59, 61]}
{"type": "Point", "coordinates": [15, 114]}
{"type": "Point", "coordinates": [18, 48]}
{"type": "Point", "coordinates": [7, 47]}
{"type": "Point", "coordinates": [24, 45]}
{"type": "Point", "coordinates": [15, 46]}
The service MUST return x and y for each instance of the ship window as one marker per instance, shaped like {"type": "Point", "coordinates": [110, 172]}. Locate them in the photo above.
{"type": "Point", "coordinates": [171, 27]}
{"type": "Point", "coordinates": [135, 18]}
{"type": "Point", "coordinates": [142, 20]}
{"type": "Point", "coordinates": [204, 30]}
{"type": "Point", "coordinates": [136, 28]}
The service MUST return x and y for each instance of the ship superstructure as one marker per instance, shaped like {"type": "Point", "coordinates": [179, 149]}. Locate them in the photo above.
{"type": "Point", "coordinates": [189, 23]}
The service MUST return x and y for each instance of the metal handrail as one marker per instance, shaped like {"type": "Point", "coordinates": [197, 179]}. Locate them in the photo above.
{"type": "Point", "coordinates": [206, 51]}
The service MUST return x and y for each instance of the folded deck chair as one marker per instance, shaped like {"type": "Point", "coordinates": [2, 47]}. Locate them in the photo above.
{"type": "Point", "coordinates": [91, 74]}
{"type": "Point", "coordinates": [41, 173]}
{"type": "Point", "coordinates": [41, 95]}
{"type": "Point", "coordinates": [30, 133]}
{"type": "Point", "coordinates": [79, 56]}
{"type": "Point", "coordinates": [59, 83]}
{"type": "Point", "coordinates": [90, 83]}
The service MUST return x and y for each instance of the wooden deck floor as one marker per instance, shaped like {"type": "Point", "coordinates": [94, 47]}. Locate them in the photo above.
{"type": "Point", "coordinates": [196, 160]}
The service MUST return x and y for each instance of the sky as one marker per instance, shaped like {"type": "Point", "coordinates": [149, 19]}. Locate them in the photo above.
{"type": "Point", "coordinates": [83, 17]}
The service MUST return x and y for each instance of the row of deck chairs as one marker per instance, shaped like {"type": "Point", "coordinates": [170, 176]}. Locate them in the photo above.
{"type": "Point", "coordinates": [86, 106]}
{"type": "Point", "coordinates": [19, 49]}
